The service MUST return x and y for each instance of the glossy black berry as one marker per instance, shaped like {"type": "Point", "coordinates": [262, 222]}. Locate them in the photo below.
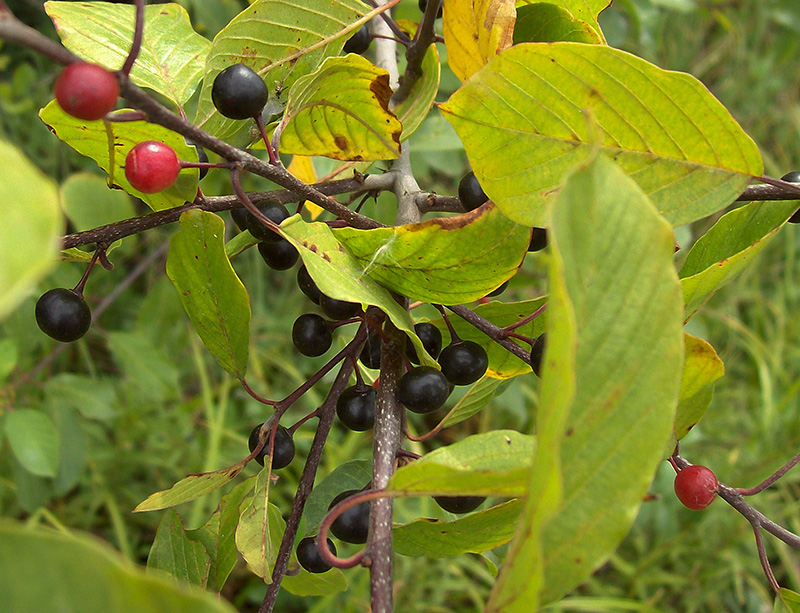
{"type": "Point", "coordinates": [431, 339]}
{"type": "Point", "coordinates": [463, 362]}
{"type": "Point", "coordinates": [280, 255]}
{"type": "Point", "coordinates": [275, 213]}
{"type": "Point", "coordinates": [537, 351]}
{"type": "Point", "coordinates": [459, 504]}
{"type": "Point", "coordinates": [423, 4]}
{"type": "Point", "coordinates": [793, 177]}
{"type": "Point", "coordinates": [356, 407]}
{"type": "Point", "coordinates": [238, 92]}
{"type": "Point", "coordinates": [423, 389]}
{"type": "Point", "coordinates": [338, 310]}
{"type": "Point", "coordinates": [63, 314]}
{"type": "Point", "coordinates": [498, 291]}
{"type": "Point", "coordinates": [370, 355]}
{"type": "Point", "coordinates": [239, 217]}
{"type": "Point", "coordinates": [307, 285]}
{"type": "Point", "coordinates": [202, 157]}
{"type": "Point", "coordinates": [311, 335]}
{"type": "Point", "coordinates": [470, 192]}
{"type": "Point", "coordinates": [358, 42]}
{"type": "Point", "coordinates": [308, 555]}
{"type": "Point", "coordinates": [282, 449]}
{"type": "Point", "coordinates": [352, 526]}
{"type": "Point", "coordinates": [538, 239]}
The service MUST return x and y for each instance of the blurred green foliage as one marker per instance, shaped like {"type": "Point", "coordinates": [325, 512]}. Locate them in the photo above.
{"type": "Point", "coordinates": [139, 403]}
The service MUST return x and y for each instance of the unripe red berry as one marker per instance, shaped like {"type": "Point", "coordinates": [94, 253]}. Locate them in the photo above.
{"type": "Point", "coordinates": [86, 91]}
{"type": "Point", "coordinates": [696, 487]}
{"type": "Point", "coordinates": [151, 166]}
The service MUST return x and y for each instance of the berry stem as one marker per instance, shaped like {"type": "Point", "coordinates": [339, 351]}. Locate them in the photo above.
{"type": "Point", "coordinates": [272, 148]}
{"type": "Point", "coordinates": [402, 37]}
{"type": "Point", "coordinates": [762, 557]}
{"type": "Point", "coordinates": [454, 338]}
{"type": "Point", "coordinates": [248, 204]}
{"type": "Point", "coordinates": [78, 289]}
{"type": "Point", "coordinates": [771, 479]}
{"type": "Point", "coordinates": [138, 34]}
{"type": "Point", "coordinates": [527, 319]}
{"type": "Point", "coordinates": [293, 428]}
{"type": "Point", "coordinates": [253, 394]}
{"type": "Point", "coordinates": [496, 333]}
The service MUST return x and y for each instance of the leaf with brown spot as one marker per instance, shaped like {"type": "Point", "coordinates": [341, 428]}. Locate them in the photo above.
{"type": "Point", "coordinates": [341, 111]}
{"type": "Point", "coordinates": [427, 261]}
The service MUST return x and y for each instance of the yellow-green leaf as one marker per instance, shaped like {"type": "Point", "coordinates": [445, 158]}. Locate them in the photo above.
{"type": "Point", "coordinates": [543, 22]}
{"type": "Point", "coordinates": [426, 261]}
{"type": "Point", "coordinates": [32, 224]}
{"type": "Point", "coordinates": [189, 488]}
{"type": "Point", "coordinates": [413, 110]}
{"type": "Point", "coordinates": [93, 139]}
{"type": "Point", "coordinates": [342, 111]}
{"type": "Point", "coordinates": [476, 30]}
{"type": "Point", "coordinates": [585, 10]}
{"type": "Point", "coordinates": [258, 527]}
{"type": "Point", "coordinates": [701, 369]}
{"type": "Point", "coordinates": [536, 111]}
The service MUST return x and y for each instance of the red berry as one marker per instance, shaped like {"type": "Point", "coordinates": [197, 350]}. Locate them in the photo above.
{"type": "Point", "coordinates": [151, 166]}
{"type": "Point", "coordinates": [86, 91]}
{"type": "Point", "coordinates": [696, 487]}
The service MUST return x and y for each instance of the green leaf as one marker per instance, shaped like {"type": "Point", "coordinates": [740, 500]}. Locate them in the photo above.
{"type": "Point", "coordinates": [787, 601]}
{"type": "Point", "coordinates": [305, 583]}
{"type": "Point", "coordinates": [258, 524]}
{"type": "Point", "coordinates": [212, 294]}
{"type": "Point", "coordinates": [229, 512]}
{"type": "Point", "coordinates": [728, 248]}
{"type": "Point", "coordinates": [33, 438]}
{"type": "Point", "coordinates": [89, 203]}
{"type": "Point", "coordinates": [95, 398]}
{"type": "Point", "coordinates": [414, 109]}
{"type": "Point", "coordinates": [537, 110]}
{"type": "Point", "coordinates": [585, 10]}
{"type": "Point", "coordinates": [492, 464]}
{"type": "Point", "coordinates": [339, 275]}
{"type": "Point", "coordinates": [73, 450]}
{"type": "Point", "coordinates": [548, 23]}
{"type": "Point", "coordinates": [273, 37]}
{"type": "Point", "coordinates": [477, 398]}
{"type": "Point", "coordinates": [341, 111]}
{"type": "Point", "coordinates": [239, 243]}
{"type": "Point", "coordinates": [174, 553]}
{"type": "Point", "coordinates": [701, 369]}
{"type": "Point", "coordinates": [93, 139]}
{"type": "Point", "coordinates": [9, 354]}
{"type": "Point", "coordinates": [148, 368]}
{"type": "Point", "coordinates": [189, 488]}
{"type": "Point", "coordinates": [474, 533]}
{"type": "Point", "coordinates": [352, 475]}
{"type": "Point", "coordinates": [426, 261]}
{"type": "Point", "coordinates": [32, 224]}
{"type": "Point", "coordinates": [172, 55]}
{"type": "Point", "coordinates": [83, 574]}
{"type": "Point", "coordinates": [617, 257]}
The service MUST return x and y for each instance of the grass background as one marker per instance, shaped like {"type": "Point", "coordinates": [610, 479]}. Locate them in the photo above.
{"type": "Point", "coordinates": [140, 403]}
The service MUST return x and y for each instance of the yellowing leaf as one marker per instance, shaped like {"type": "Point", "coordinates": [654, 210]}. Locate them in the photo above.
{"type": "Point", "coordinates": [302, 167]}
{"type": "Point", "coordinates": [701, 368]}
{"type": "Point", "coordinates": [342, 111]}
{"type": "Point", "coordinates": [476, 30]}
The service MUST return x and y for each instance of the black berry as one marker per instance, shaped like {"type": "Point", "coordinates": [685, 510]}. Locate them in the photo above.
{"type": "Point", "coordinates": [459, 504]}
{"type": "Point", "coordinates": [538, 239]}
{"type": "Point", "coordinates": [311, 335]}
{"type": "Point", "coordinates": [358, 42]}
{"type": "Point", "coordinates": [470, 192]}
{"type": "Point", "coordinates": [238, 92]}
{"type": "Point", "coordinates": [86, 91]}
{"type": "Point", "coordinates": [793, 177]}
{"type": "Point", "coordinates": [280, 255]}
{"type": "Point", "coordinates": [463, 362]}
{"type": "Point", "coordinates": [202, 157]}
{"type": "Point", "coordinates": [308, 555]}
{"type": "Point", "coordinates": [307, 285]}
{"type": "Point", "coordinates": [282, 449]}
{"type": "Point", "coordinates": [356, 407]}
{"type": "Point", "coordinates": [423, 389]}
{"type": "Point", "coordinates": [370, 355]}
{"type": "Point", "coordinates": [431, 339]}
{"type": "Point", "coordinates": [338, 309]}
{"type": "Point", "coordinates": [352, 526]}
{"type": "Point", "coordinates": [275, 213]}
{"type": "Point", "coordinates": [537, 351]}
{"type": "Point", "coordinates": [423, 4]}
{"type": "Point", "coordinates": [239, 217]}
{"type": "Point", "coordinates": [63, 314]}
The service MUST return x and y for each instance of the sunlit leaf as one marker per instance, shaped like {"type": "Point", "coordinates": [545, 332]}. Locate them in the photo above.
{"type": "Point", "coordinates": [543, 22]}
{"type": "Point", "coordinates": [701, 369]}
{"type": "Point", "coordinates": [189, 488]}
{"type": "Point", "coordinates": [254, 534]}
{"type": "Point", "coordinates": [585, 10]}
